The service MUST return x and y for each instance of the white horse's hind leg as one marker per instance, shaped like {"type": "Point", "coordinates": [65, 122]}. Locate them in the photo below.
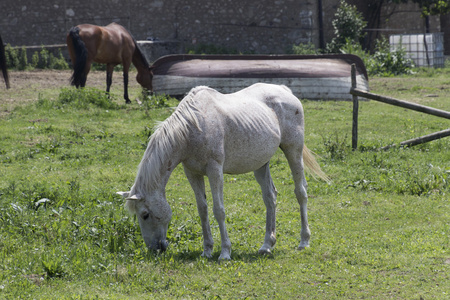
{"type": "Point", "coordinates": [295, 159]}
{"type": "Point", "coordinates": [302, 198]}
{"type": "Point", "coordinates": [269, 193]}
{"type": "Point", "coordinates": [198, 185]}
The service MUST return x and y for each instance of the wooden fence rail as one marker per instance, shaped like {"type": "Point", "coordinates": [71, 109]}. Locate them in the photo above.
{"type": "Point", "coordinates": [405, 104]}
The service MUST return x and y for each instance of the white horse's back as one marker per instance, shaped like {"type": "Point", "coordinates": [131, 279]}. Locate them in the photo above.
{"type": "Point", "coordinates": [247, 126]}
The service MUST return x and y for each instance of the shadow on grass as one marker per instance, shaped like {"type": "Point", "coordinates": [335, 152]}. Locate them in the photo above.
{"type": "Point", "coordinates": [194, 256]}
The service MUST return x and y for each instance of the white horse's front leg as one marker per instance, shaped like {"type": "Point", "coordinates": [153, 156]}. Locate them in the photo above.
{"type": "Point", "coordinates": [198, 185]}
{"type": "Point", "coordinates": [215, 177]}
{"type": "Point", "coordinates": [269, 194]}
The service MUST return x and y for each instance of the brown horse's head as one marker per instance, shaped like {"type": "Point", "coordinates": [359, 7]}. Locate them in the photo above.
{"type": "Point", "coordinates": [145, 78]}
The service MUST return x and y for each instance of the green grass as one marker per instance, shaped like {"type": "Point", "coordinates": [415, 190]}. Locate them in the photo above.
{"type": "Point", "coordinates": [380, 230]}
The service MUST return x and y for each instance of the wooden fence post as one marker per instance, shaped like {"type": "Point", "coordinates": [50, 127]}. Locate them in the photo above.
{"type": "Point", "coordinates": [355, 111]}
{"type": "Point", "coordinates": [405, 104]}
{"type": "Point", "coordinates": [423, 139]}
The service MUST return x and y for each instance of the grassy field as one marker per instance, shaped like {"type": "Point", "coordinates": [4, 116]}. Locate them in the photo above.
{"type": "Point", "coordinates": [381, 230]}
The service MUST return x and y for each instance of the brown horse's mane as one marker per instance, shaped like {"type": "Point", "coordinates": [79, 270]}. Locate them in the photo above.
{"type": "Point", "coordinates": [138, 51]}
{"type": "Point", "coordinates": [139, 54]}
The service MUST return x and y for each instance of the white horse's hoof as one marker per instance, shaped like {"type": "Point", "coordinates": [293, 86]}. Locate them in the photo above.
{"type": "Point", "coordinates": [224, 257]}
{"type": "Point", "coordinates": [266, 248]}
{"type": "Point", "coordinates": [301, 248]}
{"type": "Point", "coordinates": [264, 252]}
{"type": "Point", "coordinates": [206, 254]}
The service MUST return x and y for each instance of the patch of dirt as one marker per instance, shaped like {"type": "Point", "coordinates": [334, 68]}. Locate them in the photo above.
{"type": "Point", "coordinates": [53, 78]}
{"type": "Point", "coordinates": [41, 78]}
{"type": "Point", "coordinates": [27, 85]}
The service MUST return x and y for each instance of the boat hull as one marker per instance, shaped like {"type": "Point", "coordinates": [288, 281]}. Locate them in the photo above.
{"type": "Point", "coordinates": [324, 77]}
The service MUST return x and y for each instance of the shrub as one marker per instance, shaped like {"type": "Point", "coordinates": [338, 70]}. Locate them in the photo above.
{"type": "Point", "coordinates": [82, 98]}
{"type": "Point", "coordinates": [35, 60]}
{"type": "Point", "coordinates": [44, 59]}
{"type": "Point", "coordinates": [12, 56]}
{"type": "Point", "coordinates": [23, 60]}
{"type": "Point", "coordinates": [17, 59]}
{"type": "Point", "coordinates": [305, 49]}
{"type": "Point", "coordinates": [356, 49]}
{"type": "Point", "coordinates": [348, 26]}
{"type": "Point", "coordinates": [58, 62]}
{"type": "Point", "coordinates": [213, 49]}
{"type": "Point", "coordinates": [385, 62]}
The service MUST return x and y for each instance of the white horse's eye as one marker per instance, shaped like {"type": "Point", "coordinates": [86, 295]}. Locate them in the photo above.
{"type": "Point", "coordinates": [145, 216]}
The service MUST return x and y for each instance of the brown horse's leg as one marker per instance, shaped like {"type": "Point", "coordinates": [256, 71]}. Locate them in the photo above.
{"type": "Point", "coordinates": [84, 76]}
{"type": "Point", "coordinates": [125, 87]}
{"type": "Point", "coordinates": [109, 73]}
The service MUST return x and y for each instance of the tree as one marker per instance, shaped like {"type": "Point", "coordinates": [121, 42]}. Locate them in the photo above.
{"type": "Point", "coordinates": [372, 9]}
{"type": "Point", "coordinates": [348, 27]}
{"type": "Point", "coordinates": [430, 7]}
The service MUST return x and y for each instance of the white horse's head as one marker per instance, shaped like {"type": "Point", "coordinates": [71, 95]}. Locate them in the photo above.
{"type": "Point", "coordinates": [154, 215]}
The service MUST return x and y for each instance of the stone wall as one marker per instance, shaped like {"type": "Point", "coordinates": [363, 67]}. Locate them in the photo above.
{"type": "Point", "coordinates": [263, 26]}
{"type": "Point", "coordinates": [247, 26]}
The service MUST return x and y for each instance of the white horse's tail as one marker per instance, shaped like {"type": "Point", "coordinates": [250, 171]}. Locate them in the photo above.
{"type": "Point", "coordinates": [312, 166]}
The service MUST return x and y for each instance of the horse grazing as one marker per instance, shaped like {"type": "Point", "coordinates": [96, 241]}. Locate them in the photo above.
{"type": "Point", "coordinates": [211, 134]}
{"type": "Point", "coordinates": [3, 66]}
{"type": "Point", "coordinates": [111, 45]}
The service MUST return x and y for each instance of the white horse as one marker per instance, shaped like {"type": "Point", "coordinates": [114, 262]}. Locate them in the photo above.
{"type": "Point", "coordinates": [211, 134]}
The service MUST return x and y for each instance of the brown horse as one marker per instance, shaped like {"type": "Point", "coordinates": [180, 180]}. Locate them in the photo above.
{"type": "Point", "coordinates": [111, 45]}
{"type": "Point", "coordinates": [3, 63]}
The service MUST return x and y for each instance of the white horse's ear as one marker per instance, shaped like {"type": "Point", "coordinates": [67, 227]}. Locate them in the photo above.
{"type": "Point", "coordinates": [123, 194]}
{"type": "Point", "coordinates": [134, 197]}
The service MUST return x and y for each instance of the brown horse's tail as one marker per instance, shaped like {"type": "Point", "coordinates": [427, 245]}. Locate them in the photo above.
{"type": "Point", "coordinates": [3, 63]}
{"type": "Point", "coordinates": [312, 165]}
{"type": "Point", "coordinates": [79, 49]}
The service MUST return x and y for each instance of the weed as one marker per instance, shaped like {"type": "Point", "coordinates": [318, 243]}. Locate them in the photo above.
{"type": "Point", "coordinates": [423, 182]}
{"type": "Point", "coordinates": [53, 266]}
{"type": "Point", "coordinates": [335, 146]}
{"type": "Point", "coordinates": [83, 97]}
{"type": "Point", "coordinates": [145, 135]}
{"type": "Point", "coordinates": [153, 101]}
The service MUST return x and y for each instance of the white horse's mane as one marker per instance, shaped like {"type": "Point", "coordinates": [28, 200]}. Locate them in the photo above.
{"type": "Point", "coordinates": [168, 134]}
